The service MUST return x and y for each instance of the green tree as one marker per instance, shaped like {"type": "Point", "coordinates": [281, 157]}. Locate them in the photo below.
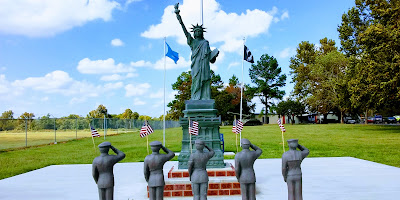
{"type": "Point", "coordinates": [290, 108]}
{"type": "Point", "coordinates": [6, 122]}
{"type": "Point", "coordinates": [100, 112]}
{"type": "Point", "coordinates": [321, 77]}
{"type": "Point", "coordinates": [127, 114]}
{"type": "Point", "coordinates": [183, 86]}
{"type": "Point", "coordinates": [267, 77]}
{"type": "Point", "coordinates": [7, 115]}
{"type": "Point", "coordinates": [369, 35]}
{"type": "Point", "coordinates": [135, 115]}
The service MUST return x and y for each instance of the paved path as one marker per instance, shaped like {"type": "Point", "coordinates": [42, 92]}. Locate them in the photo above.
{"type": "Point", "coordinates": [342, 178]}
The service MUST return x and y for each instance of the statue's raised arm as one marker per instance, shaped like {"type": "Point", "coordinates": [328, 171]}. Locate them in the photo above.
{"type": "Point", "coordinates": [178, 16]}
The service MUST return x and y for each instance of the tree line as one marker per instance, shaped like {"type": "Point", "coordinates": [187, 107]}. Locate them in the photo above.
{"type": "Point", "coordinates": [361, 76]}
{"type": "Point", "coordinates": [72, 121]}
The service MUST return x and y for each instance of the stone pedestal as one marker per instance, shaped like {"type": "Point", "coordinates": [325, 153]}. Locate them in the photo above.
{"type": "Point", "coordinates": [202, 111]}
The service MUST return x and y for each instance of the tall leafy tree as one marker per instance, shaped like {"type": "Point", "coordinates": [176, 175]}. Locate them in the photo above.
{"type": "Point", "coordinates": [127, 114]}
{"type": "Point", "coordinates": [321, 76]}
{"type": "Point", "coordinates": [100, 112]}
{"type": "Point", "coordinates": [5, 122]}
{"type": "Point", "coordinates": [182, 85]}
{"type": "Point", "coordinates": [268, 78]}
{"type": "Point", "coordinates": [370, 37]}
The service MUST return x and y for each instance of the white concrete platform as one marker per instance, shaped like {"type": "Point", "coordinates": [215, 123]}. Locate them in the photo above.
{"type": "Point", "coordinates": [342, 178]}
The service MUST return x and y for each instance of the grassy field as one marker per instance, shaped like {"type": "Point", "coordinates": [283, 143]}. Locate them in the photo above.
{"type": "Point", "coordinates": [370, 142]}
{"type": "Point", "coordinates": [17, 139]}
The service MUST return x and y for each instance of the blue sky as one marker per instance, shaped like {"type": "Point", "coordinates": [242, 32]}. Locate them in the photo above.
{"type": "Point", "coordinates": [67, 57]}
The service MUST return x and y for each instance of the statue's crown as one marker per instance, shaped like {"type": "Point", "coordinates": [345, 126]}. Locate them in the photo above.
{"type": "Point", "coordinates": [197, 27]}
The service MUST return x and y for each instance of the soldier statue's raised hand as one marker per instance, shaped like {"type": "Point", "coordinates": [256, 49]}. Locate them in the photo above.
{"type": "Point", "coordinates": [197, 170]}
{"type": "Point", "coordinates": [244, 162]}
{"type": "Point", "coordinates": [102, 170]}
{"type": "Point", "coordinates": [153, 169]}
{"type": "Point", "coordinates": [291, 170]}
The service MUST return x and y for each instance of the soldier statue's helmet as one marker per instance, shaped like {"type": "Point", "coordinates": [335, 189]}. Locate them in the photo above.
{"type": "Point", "coordinates": [104, 145]}
{"type": "Point", "coordinates": [292, 141]}
{"type": "Point", "coordinates": [245, 141]}
{"type": "Point", "coordinates": [198, 141]}
{"type": "Point", "coordinates": [155, 144]}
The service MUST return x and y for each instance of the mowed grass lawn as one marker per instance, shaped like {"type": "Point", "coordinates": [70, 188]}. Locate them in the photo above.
{"type": "Point", "coordinates": [17, 139]}
{"type": "Point", "coordinates": [376, 143]}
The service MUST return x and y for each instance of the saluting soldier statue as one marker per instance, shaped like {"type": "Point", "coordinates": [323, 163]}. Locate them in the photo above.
{"type": "Point", "coordinates": [291, 170]}
{"type": "Point", "coordinates": [244, 162]}
{"type": "Point", "coordinates": [153, 169]}
{"type": "Point", "coordinates": [102, 170]}
{"type": "Point", "coordinates": [197, 170]}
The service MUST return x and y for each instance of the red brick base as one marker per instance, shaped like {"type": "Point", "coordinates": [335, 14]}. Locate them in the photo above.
{"type": "Point", "coordinates": [184, 188]}
{"type": "Point", "coordinates": [214, 189]}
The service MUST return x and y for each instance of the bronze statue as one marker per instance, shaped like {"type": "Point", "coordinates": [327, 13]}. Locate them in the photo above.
{"type": "Point", "coordinates": [102, 170]}
{"type": "Point", "coordinates": [197, 170]}
{"type": "Point", "coordinates": [291, 170]}
{"type": "Point", "coordinates": [244, 170]}
{"type": "Point", "coordinates": [201, 58]}
{"type": "Point", "coordinates": [153, 169]}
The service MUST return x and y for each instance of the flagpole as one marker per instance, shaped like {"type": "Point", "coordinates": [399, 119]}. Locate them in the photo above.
{"type": "Point", "coordinates": [190, 137]}
{"type": "Point", "coordinates": [147, 138]}
{"type": "Point", "coordinates": [165, 66]}
{"type": "Point", "coordinates": [241, 89]}
{"type": "Point", "coordinates": [237, 148]}
{"type": "Point", "coordinates": [283, 143]}
{"type": "Point", "coordinates": [201, 10]}
{"type": "Point", "coordinates": [94, 146]}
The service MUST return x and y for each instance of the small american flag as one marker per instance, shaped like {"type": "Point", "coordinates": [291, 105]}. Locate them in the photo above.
{"type": "Point", "coordinates": [237, 126]}
{"type": "Point", "coordinates": [146, 130]}
{"type": "Point", "coordinates": [194, 128]}
{"type": "Point", "coordinates": [94, 132]}
{"type": "Point", "coordinates": [281, 125]}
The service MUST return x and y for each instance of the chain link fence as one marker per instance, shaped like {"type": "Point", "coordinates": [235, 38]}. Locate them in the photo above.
{"type": "Point", "coordinates": [16, 133]}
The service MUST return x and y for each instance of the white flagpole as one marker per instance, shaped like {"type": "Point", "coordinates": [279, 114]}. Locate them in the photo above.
{"type": "Point", "coordinates": [201, 6]}
{"type": "Point", "coordinates": [241, 90]}
{"type": "Point", "coordinates": [165, 66]}
{"type": "Point", "coordinates": [190, 137]}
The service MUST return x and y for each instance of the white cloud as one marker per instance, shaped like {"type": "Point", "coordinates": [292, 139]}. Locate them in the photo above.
{"type": "Point", "coordinates": [113, 77]}
{"type": "Point", "coordinates": [117, 77]}
{"type": "Point", "coordinates": [44, 99]}
{"type": "Point", "coordinates": [285, 15]}
{"type": "Point", "coordinates": [117, 42]}
{"type": "Point", "coordinates": [233, 64]}
{"type": "Point", "coordinates": [228, 28]}
{"type": "Point", "coordinates": [287, 52]}
{"type": "Point", "coordinates": [52, 82]}
{"type": "Point", "coordinates": [138, 102]}
{"type": "Point", "coordinates": [113, 86]}
{"type": "Point", "coordinates": [3, 68]}
{"type": "Point", "coordinates": [131, 1]}
{"type": "Point", "coordinates": [4, 84]}
{"type": "Point", "coordinates": [131, 75]}
{"type": "Point", "coordinates": [141, 63]}
{"type": "Point", "coordinates": [40, 18]}
{"type": "Point", "coordinates": [158, 95]}
{"type": "Point", "coordinates": [87, 66]}
{"type": "Point", "coordinates": [137, 89]}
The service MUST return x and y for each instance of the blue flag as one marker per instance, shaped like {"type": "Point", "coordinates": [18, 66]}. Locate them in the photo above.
{"type": "Point", "coordinates": [172, 54]}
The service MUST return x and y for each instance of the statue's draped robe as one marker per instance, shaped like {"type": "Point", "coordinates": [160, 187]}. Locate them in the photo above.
{"type": "Point", "coordinates": [201, 78]}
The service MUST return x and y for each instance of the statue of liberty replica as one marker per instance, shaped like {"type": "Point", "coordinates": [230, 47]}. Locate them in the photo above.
{"type": "Point", "coordinates": [200, 108]}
